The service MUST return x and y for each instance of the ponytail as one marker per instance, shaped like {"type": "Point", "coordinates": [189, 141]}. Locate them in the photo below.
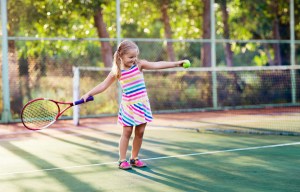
{"type": "Point", "coordinates": [116, 68]}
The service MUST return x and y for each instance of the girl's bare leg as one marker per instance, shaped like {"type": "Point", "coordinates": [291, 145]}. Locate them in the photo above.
{"type": "Point", "coordinates": [124, 140]}
{"type": "Point", "coordinates": [137, 140]}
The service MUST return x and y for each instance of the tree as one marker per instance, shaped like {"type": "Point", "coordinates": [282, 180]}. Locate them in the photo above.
{"type": "Point", "coordinates": [168, 30]}
{"type": "Point", "coordinates": [226, 33]}
{"type": "Point", "coordinates": [106, 48]}
{"type": "Point", "coordinates": [206, 49]}
{"type": "Point", "coordinates": [13, 55]}
{"type": "Point", "coordinates": [94, 9]}
{"type": "Point", "coordinates": [49, 19]}
{"type": "Point", "coordinates": [262, 20]}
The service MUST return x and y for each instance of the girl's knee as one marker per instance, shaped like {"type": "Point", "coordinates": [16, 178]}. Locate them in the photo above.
{"type": "Point", "coordinates": [139, 133]}
{"type": "Point", "coordinates": [127, 132]}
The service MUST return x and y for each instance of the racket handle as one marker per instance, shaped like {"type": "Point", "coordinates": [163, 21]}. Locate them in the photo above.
{"type": "Point", "coordinates": [90, 98]}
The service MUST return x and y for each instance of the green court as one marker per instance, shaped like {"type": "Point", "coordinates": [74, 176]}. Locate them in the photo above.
{"type": "Point", "coordinates": [84, 158]}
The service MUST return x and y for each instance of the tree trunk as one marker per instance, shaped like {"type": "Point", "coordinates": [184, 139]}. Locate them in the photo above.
{"type": "Point", "coordinates": [206, 48]}
{"type": "Point", "coordinates": [168, 31]}
{"type": "Point", "coordinates": [228, 51]}
{"type": "Point", "coordinates": [106, 49]}
{"type": "Point", "coordinates": [14, 80]}
{"type": "Point", "coordinates": [276, 34]}
{"type": "Point", "coordinates": [270, 60]}
{"type": "Point", "coordinates": [276, 46]}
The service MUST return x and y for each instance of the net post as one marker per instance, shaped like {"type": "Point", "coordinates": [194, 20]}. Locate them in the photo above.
{"type": "Point", "coordinates": [76, 79]}
{"type": "Point", "coordinates": [6, 114]}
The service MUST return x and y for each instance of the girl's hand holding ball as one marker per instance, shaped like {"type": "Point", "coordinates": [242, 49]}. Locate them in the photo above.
{"type": "Point", "coordinates": [186, 64]}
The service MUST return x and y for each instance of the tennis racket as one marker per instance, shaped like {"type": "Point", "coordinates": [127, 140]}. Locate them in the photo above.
{"type": "Point", "coordinates": [42, 112]}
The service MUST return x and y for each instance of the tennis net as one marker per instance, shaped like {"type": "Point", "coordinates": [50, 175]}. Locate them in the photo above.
{"type": "Point", "coordinates": [246, 99]}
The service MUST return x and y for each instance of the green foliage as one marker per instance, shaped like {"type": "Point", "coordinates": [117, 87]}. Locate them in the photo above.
{"type": "Point", "coordinates": [38, 59]}
{"type": "Point", "coordinates": [143, 19]}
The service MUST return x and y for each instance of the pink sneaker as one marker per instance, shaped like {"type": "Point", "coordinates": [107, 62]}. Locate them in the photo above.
{"type": "Point", "coordinates": [137, 163]}
{"type": "Point", "coordinates": [124, 165]}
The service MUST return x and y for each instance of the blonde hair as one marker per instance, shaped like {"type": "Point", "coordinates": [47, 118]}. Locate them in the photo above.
{"type": "Point", "coordinates": [123, 48]}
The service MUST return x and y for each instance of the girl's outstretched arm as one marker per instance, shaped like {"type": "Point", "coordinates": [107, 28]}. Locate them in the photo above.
{"type": "Point", "coordinates": [100, 87]}
{"type": "Point", "coordinates": [143, 64]}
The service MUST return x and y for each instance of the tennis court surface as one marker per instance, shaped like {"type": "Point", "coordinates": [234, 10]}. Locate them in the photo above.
{"type": "Point", "coordinates": [212, 151]}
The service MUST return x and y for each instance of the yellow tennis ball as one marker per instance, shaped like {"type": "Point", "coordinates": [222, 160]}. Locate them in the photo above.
{"type": "Point", "coordinates": [186, 64]}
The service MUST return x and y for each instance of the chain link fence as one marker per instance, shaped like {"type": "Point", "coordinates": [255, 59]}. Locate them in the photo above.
{"type": "Point", "coordinates": [43, 68]}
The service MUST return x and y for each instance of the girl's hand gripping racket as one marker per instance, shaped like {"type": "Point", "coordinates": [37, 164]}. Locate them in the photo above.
{"type": "Point", "coordinates": [42, 112]}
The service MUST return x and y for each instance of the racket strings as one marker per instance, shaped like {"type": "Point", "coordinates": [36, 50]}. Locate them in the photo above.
{"type": "Point", "coordinates": [39, 114]}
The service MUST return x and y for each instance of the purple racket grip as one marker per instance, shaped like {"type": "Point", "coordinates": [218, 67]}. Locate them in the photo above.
{"type": "Point", "coordinates": [90, 98]}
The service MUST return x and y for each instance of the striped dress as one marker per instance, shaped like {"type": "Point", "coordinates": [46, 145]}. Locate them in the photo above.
{"type": "Point", "coordinates": [135, 106]}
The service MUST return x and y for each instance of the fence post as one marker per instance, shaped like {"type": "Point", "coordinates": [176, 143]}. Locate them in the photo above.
{"type": "Point", "coordinates": [118, 8]}
{"type": "Point", "coordinates": [76, 92]}
{"type": "Point", "coordinates": [6, 114]}
{"type": "Point", "coordinates": [292, 57]}
{"type": "Point", "coordinates": [213, 55]}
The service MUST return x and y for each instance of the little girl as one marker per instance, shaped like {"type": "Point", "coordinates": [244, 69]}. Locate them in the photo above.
{"type": "Point", "coordinates": [135, 107]}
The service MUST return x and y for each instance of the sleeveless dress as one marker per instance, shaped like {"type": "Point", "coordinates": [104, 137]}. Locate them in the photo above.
{"type": "Point", "coordinates": [135, 107]}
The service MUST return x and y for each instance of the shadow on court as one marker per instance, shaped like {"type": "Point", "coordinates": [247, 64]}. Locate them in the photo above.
{"type": "Point", "coordinates": [39, 180]}
{"type": "Point", "coordinates": [178, 159]}
{"type": "Point", "coordinates": [166, 179]}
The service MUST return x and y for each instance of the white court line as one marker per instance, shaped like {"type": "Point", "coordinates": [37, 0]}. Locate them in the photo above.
{"type": "Point", "coordinates": [224, 151]}
{"type": "Point", "coordinates": [154, 158]}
